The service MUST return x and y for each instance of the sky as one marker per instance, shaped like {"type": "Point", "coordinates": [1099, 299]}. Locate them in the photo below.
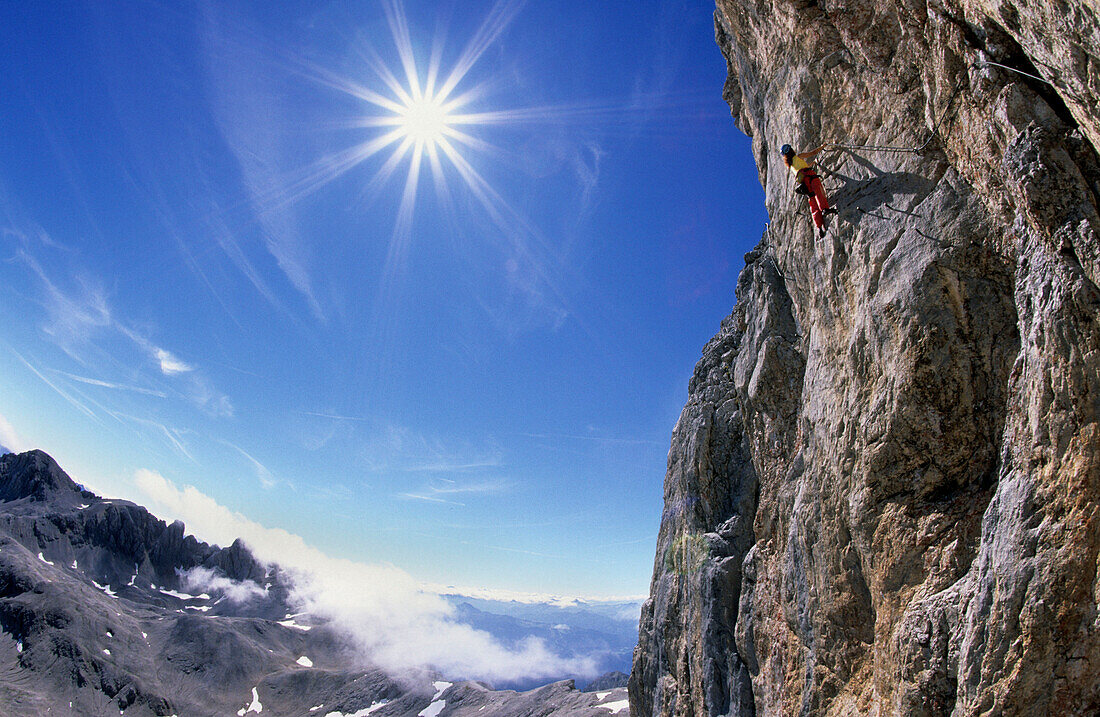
{"type": "Point", "coordinates": [420, 284]}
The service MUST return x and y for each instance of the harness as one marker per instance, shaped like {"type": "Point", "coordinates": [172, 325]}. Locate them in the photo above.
{"type": "Point", "coordinates": [804, 174]}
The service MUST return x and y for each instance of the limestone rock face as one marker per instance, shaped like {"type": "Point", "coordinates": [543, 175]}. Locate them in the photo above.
{"type": "Point", "coordinates": [883, 494]}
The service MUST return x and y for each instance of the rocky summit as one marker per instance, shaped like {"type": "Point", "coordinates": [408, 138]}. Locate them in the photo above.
{"type": "Point", "coordinates": [882, 495]}
{"type": "Point", "coordinates": [101, 614]}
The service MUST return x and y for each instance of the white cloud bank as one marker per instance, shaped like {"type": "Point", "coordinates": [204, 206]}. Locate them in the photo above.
{"type": "Point", "coordinates": [395, 622]}
{"type": "Point", "coordinates": [10, 439]}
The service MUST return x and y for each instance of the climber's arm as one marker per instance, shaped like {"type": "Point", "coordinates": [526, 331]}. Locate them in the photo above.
{"type": "Point", "coordinates": [812, 153]}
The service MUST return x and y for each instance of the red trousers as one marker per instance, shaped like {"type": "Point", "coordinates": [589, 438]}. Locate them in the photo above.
{"type": "Point", "coordinates": [818, 201]}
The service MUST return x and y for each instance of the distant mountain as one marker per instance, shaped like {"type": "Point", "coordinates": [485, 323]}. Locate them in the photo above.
{"type": "Point", "coordinates": [101, 614]}
{"type": "Point", "coordinates": [608, 681]}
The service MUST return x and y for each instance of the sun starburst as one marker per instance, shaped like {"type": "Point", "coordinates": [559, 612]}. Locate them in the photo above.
{"type": "Point", "coordinates": [425, 120]}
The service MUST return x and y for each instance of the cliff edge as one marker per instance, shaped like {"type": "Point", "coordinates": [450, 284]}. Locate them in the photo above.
{"type": "Point", "coordinates": [883, 494]}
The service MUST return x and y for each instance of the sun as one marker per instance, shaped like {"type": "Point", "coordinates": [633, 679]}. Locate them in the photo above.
{"type": "Point", "coordinates": [418, 117]}
{"type": "Point", "coordinates": [424, 120]}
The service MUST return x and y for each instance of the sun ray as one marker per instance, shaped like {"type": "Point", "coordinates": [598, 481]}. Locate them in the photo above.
{"type": "Point", "coordinates": [399, 28]}
{"type": "Point", "coordinates": [327, 78]}
{"type": "Point", "coordinates": [489, 198]}
{"type": "Point", "coordinates": [408, 197]}
{"type": "Point", "coordinates": [513, 225]}
{"type": "Point", "coordinates": [402, 230]}
{"type": "Point", "coordinates": [471, 141]}
{"type": "Point", "coordinates": [404, 97]}
{"type": "Point", "coordinates": [435, 61]}
{"type": "Point", "coordinates": [440, 179]}
{"type": "Point", "coordinates": [502, 14]}
{"type": "Point", "coordinates": [325, 170]}
{"type": "Point", "coordinates": [387, 169]}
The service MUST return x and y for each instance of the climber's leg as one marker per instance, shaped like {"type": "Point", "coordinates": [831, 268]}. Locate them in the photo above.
{"type": "Point", "coordinates": [819, 192]}
{"type": "Point", "coordinates": [815, 212]}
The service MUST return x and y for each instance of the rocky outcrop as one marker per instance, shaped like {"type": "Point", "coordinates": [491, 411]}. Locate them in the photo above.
{"type": "Point", "coordinates": [883, 493]}
{"type": "Point", "coordinates": [120, 543]}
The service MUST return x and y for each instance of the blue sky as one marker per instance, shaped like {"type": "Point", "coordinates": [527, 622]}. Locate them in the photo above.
{"type": "Point", "coordinates": [211, 269]}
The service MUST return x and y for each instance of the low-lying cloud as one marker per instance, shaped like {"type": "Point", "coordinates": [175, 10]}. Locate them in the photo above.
{"type": "Point", "coordinates": [394, 622]}
{"type": "Point", "coordinates": [200, 580]}
{"type": "Point", "coordinates": [9, 439]}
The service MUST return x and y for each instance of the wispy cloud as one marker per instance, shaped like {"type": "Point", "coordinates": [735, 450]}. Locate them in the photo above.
{"type": "Point", "coordinates": [586, 167]}
{"type": "Point", "coordinates": [243, 107]}
{"type": "Point", "coordinates": [427, 498]}
{"type": "Point", "coordinates": [394, 448]}
{"type": "Point", "coordinates": [174, 438]}
{"type": "Point", "coordinates": [109, 384]}
{"type": "Point", "coordinates": [194, 384]}
{"type": "Point", "coordinates": [443, 490]}
{"type": "Point", "coordinates": [594, 439]}
{"type": "Point", "coordinates": [395, 621]}
{"type": "Point", "coordinates": [82, 317]}
{"type": "Point", "coordinates": [452, 466]}
{"type": "Point", "coordinates": [337, 416]}
{"type": "Point", "coordinates": [262, 473]}
{"type": "Point", "coordinates": [78, 405]}
{"type": "Point", "coordinates": [170, 365]}
{"type": "Point", "coordinates": [71, 318]}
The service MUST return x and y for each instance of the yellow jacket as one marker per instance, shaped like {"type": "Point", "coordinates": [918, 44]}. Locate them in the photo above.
{"type": "Point", "coordinates": [800, 168]}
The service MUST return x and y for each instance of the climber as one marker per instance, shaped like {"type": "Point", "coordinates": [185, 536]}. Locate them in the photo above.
{"type": "Point", "coordinates": [808, 183]}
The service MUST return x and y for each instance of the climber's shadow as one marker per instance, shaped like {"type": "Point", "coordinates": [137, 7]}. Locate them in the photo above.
{"type": "Point", "coordinates": [875, 195]}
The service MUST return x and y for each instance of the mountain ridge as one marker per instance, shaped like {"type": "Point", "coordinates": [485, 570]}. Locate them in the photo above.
{"type": "Point", "coordinates": [96, 618]}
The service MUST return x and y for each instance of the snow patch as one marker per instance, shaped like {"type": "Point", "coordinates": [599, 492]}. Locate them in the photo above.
{"type": "Point", "coordinates": [296, 626]}
{"type": "Point", "coordinates": [254, 707]}
{"type": "Point", "coordinates": [107, 653]}
{"type": "Point", "coordinates": [19, 646]}
{"type": "Point", "coordinates": [433, 709]}
{"type": "Point", "coordinates": [107, 589]}
{"type": "Point", "coordinates": [361, 713]}
{"type": "Point", "coordinates": [184, 596]}
{"type": "Point", "coordinates": [305, 661]}
{"type": "Point", "coordinates": [440, 688]}
{"type": "Point", "coordinates": [616, 707]}
{"type": "Point", "coordinates": [47, 562]}
{"type": "Point", "coordinates": [601, 696]}
{"type": "Point", "coordinates": [75, 566]}
{"type": "Point", "coordinates": [82, 506]}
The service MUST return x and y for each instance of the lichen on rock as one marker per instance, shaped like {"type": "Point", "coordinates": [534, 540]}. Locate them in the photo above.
{"type": "Point", "coordinates": [883, 493]}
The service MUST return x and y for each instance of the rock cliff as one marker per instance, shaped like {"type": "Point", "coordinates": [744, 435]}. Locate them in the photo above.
{"type": "Point", "coordinates": [883, 494]}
